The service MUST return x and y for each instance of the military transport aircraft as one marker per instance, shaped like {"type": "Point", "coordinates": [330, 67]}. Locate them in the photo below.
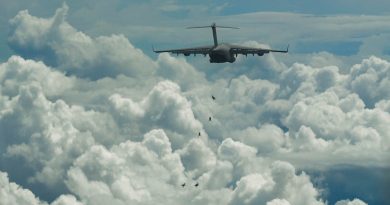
{"type": "Point", "coordinates": [220, 53]}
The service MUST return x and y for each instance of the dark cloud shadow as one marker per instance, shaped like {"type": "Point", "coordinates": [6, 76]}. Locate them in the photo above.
{"type": "Point", "coordinates": [370, 184]}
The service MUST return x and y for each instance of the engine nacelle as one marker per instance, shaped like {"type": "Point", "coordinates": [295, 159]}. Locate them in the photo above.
{"type": "Point", "coordinates": [232, 59]}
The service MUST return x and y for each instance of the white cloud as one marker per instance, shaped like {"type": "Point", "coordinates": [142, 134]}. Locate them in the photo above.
{"type": "Point", "coordinates": [306, 140]}
{"type": "Point", "coordinates": [179, 71]}
{"type": "Point", "coordinates": [370, 80]}
{"type": "Point", "coordinates": [133, 173]}
{"type": "Point", "coordinates": [281, 182]}
{"type": "Point", "coordinates": [235, 151]}
{"type": "Point", "coordinates": [163, 107]}
{"type": "Point", "coordinates": [132, 136]}
{"type": "Point", "coordinates": [58, 44]}
{"type": "Point", "coordinates": [278, 202]}
{"type": "Point", "coordinates": [18, 72]}
{"type": "Point", "coordinates": [326, 78]}
{"type": "Point", "coordinates": [197, 158]}
{"type": "Point", "coordinates": [351, 102]}
{"type": "Point", "coordinates": [66, 200]}
{"type": "Point", "coordinates": [293, 78]}
{"type": "Point", "coordinates": [268, 138]}
{"type": "Point", "coordinates": [220, 176]}
{"type": "Point", "coordinates": [11, 193]}
{"type": "Point", "coordinates": [233, 163]}
{"type": "Point", "coordinates": [320, 114]}
{"type": "Point", "coordinates": [49, 135]}
{"type": "Point", "coordinates": [130, 172]}
{"type": "Point", "coordinates": [353, 202]}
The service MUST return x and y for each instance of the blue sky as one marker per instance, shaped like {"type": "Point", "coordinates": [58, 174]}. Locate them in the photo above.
{"type": "Point", "coordinates": [86, 105]}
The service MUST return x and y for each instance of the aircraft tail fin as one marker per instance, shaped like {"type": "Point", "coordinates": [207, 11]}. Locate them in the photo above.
{"type": "Point", "coordinates": [213, 27]}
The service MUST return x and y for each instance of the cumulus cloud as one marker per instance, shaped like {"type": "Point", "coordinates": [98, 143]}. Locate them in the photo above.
{"type": "Point", "coordinates": [268, 138]}
{"type": "Point", "coordinates": [11, 193]}
{"type": "Point", "coordinates": [58, 44]}
{"type": "Point", "coordinates": [197, 157]}
{"type": "Point", "coordinates": [96, 121]}
{"type": "Point", "coordinates": [235, 151]}
{"type": "Point", "coordinates": [179, 71]}
{"type": "Point", "coordinates": [319, 114]}
{"type": "Point", "coordinates": [66, 200]}
{"type": "Point", "coordinates": [278, 202]}
{"type": "Point", "coordinates": [136, 172]}
{"type": "Point", "coordinates": [370, 80]}
{"type": "Point", "coordinates": [164, 107]}
{"type": "Point", "coordinates": [132, 172]}
{"type": "Point", "coordinates": [49, 135]}
{"type": "Point", "coordinates": [18, 72]}
{"type": "Point", "coordinates": [281, 182]}
{"type": "Point", "coordinates": [353, 202]}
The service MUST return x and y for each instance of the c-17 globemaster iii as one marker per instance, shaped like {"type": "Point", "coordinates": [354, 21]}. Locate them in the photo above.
{"type": "Point", "coordinates": [221, 53]}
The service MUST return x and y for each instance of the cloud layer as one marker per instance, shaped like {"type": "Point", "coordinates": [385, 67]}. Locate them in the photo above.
{"type": "Point", "coordinates": [93, 120]}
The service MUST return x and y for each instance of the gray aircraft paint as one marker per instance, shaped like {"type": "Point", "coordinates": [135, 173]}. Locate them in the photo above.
{"type": "Point", "coordinates": [220, 53]}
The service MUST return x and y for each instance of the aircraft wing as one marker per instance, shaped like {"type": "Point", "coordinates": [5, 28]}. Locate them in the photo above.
{"type": "Point", "coordinates": [250, 50]}
{"type": "Point", "coordinates": [188, 51]}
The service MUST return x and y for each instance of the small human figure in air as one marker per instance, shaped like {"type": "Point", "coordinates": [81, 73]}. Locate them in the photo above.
{"type": "Point", "coordinates": [197, 184]}
{"type": "Point", "coordinates": [210, 119]}
{"type": "Point", "coordinates": [183, 185]}
{"type": "Point", "coordinates": [199, 134]}
{"type": "Point", "coordinates": [213, 97]}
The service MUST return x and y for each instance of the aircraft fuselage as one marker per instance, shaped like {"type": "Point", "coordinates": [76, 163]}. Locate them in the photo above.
{"type": "Point", "coordinates": [221, 54]}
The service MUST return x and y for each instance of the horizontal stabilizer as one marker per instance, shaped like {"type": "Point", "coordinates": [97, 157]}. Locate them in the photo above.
{"type": "Point", "coordinates": [227, 27]}
{"type": "Point", "coordinates": [212, 26]}
{"type": "Point", "coordinates": [198, 27]}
